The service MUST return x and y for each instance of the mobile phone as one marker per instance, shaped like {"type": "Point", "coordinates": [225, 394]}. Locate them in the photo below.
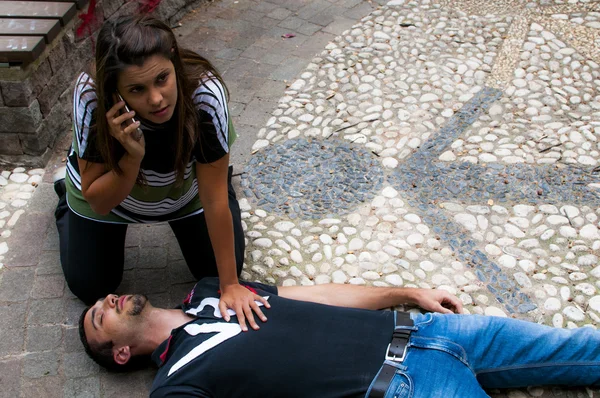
{"type": "Point", "coordinates": [137, 133]}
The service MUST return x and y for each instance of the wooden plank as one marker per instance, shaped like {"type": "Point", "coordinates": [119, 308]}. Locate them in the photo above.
{"type": "Point", "coordinates": [78, 3]}
{"type": "Point", "coordinates": [21, 49]}
{"type": "Point", "coordinates": [34, 9]}
{"type": "Point", "coordinates": [49, 28]}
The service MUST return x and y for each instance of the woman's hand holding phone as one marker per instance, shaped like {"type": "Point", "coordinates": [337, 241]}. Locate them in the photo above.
{"type": "Point", "coordinates": [124, 130]}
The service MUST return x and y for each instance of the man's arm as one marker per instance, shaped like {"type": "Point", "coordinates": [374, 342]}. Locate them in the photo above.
{"type": "Point", "coordinates": [373, 298]}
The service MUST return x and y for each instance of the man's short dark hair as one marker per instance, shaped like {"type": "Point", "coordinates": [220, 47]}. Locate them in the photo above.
{"type": "Point", "coordinates": [102, 353]}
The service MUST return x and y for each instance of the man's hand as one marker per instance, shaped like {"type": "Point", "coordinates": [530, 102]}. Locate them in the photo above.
{"type": "Point", "coordinates": [438, 300]}
{"type": "Point", "coordinates": [243, 302]}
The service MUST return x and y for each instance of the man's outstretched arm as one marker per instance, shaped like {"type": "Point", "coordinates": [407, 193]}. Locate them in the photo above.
{"type": "Point", "coordinates": [373, 298]}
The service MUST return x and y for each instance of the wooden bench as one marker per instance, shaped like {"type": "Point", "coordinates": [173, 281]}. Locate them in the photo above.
{"type": "Point", "coordinates": [26, 27]}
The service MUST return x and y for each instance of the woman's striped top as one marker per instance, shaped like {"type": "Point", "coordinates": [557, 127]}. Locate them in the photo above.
{"type": "Point", "coordinates": [160, 200]}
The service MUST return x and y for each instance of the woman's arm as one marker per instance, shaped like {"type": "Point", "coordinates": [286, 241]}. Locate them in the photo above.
{"type": "Point", "coordinates": [106, 190]}
{"type": "Point", "coordinates": [212, 188]}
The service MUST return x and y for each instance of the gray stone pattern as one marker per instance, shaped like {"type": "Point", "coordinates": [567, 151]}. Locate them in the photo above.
{"type": "Point", "coordinates": [426, 181]}
{"type": "Point", "coordinates": [319, 176]}
{"type": "Point", "coordinates": [312, 179]}
{"type": "Point", "coordinates": [35, 102]}
{"type": "Point", "coordinates": [40, 352]}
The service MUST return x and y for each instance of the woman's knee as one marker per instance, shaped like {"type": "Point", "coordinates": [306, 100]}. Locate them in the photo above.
{"type": "Point", "coordinates": [89, 286]}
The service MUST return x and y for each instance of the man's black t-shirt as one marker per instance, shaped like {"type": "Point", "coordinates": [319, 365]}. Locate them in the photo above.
{"type": "Point", "coordinates": [303, 350]}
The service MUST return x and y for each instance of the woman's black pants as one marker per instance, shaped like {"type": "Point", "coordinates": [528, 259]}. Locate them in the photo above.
{"type": "Point", "coordinates": [92, 253]}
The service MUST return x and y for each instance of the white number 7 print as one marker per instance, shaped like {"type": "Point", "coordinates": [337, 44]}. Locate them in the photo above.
{"type": "Point", "coordinates": [224, 331]}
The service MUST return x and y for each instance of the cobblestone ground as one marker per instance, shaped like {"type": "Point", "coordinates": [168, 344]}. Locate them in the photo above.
{"type": "Point", "coordinates": [443, 144]}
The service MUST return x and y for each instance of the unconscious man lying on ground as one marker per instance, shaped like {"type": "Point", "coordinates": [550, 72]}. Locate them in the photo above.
{"type": "Point", "coordinates": [330, 341]}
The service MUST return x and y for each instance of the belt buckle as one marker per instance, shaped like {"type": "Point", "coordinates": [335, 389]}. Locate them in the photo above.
{"type": "Point", "coordinates": [391, 357]}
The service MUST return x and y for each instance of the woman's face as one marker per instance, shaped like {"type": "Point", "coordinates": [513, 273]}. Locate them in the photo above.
{"type": "Point", "coordinates": [151, 89]}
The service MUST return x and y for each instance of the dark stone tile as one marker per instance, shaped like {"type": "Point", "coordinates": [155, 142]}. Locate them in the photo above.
{"type": "Point", "coordinates": [339, 25]}
{"type": "Point", "coordinates": [73, 310]}
{"type": "Point", "coordinates": [279, 13]}
{"type": "Point", "coordinates": [46, 387]}
{"type": "Point", "coordinates": [72, 343]}
{"type": "Point", "coordinates": [327, 16]}
{"type": "Point", "coordinates": [127, 285]}
{"type": "Point", "coordinates": [155, 234]}
{"type": "Point", "coordinates": [160, 300]}
{"type": "Point", "coordinates": [348, 3]}
{"type": "Point", "coordinates": [133, 238]}
{"type": "Point", "coordinates": [272, 59]}
{"type": "Point", "coordinates": [31, 227]}
{"type": "Point", "coordinates": [242, 93]}
{"type": "Point", "coordinates": [291, 22]}
{"type": "Point", "coordinates": [41, 364]}
{"type": "Point", "coordinates": [228, 54]}
{"type": "Point", "coordinates": [51, 241]}
{"type": "Point", "coordinates": [149, 281]}
{"type": "Point", "coordinates": [359, 11]}
{"type": "Point", "coordinates": [49, 263]}
{"type": "Point", "coordinates": [316, 44]}
{"type": "Point", "coordinates": [47, 311]}
{"type": "Point", "coordinates": [268, 41]}
{"type": "Point", "coordinates": [174, 253]}
{"type": "Point", "coordinates": [44, 200]}
{"type": "Point", "coordinates": [271, 90]}
{"type": "Point", "coordinates": [16, 284]}
{"type": "Point", "coordinates": [48, 286]}
{"type": "Point", "coordinates": [239, 156]}
{"type": "Point", "coordinates": [43, 338]}
{"type": "Point", "coordinates": [126, 385]}
{"type": "Point", "coordinates": [313, 8]}
{"type": "Point", "coordinates": [280, 45]}
{"type": "Point", "coordinates": [241, 67]}
{"type": "Point", "coordinates": [254, 16]}
{"type": "Point", "coordinates": [131, 257]}
{"type": "Point", "coordinates": [255, 53]}
{"type": "Point", "coordinates": [309, 28]}
{"type": "Point", "coordinates": [263, 6]}
{"type": "Point", "coordinates": [68, 294]}
{"type": "Point", "coordinates": [263, 69]}
{"type": "Point", "coordinates": [258, 111]}
{"type": "Point", "coordinates": [289, 69]}
{"type": "Point", "coordinates": [293, 5]}
{"type": "Point", "coordinates": [236, 108]}
{"type": "Point", "coordinates": [10, 378]}
{"type": "Point", "coordinates": [78, 364]}
{"type": "Point", "coordinates": [88, 387]}
{"type": "Point", "coordinates": [152, 257]}
{"type": "Point", "coordinates": [179, 272]}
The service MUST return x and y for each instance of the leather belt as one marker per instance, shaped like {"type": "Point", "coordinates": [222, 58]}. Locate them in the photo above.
{"type": "Point", "coordinates": [395, 352]}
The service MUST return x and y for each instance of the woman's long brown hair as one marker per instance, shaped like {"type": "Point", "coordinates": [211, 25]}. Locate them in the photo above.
{"type": "Point", "coordinates": [131, 40]}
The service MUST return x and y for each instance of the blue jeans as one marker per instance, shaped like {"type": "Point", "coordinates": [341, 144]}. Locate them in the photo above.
{"type": "Point", "coordinates": [460, 355]}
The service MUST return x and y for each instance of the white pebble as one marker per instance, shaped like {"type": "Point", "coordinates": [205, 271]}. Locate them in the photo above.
{"type": "Point", "coordinates": [263, 242]}
{"type": "Point", "coordinates": [494, 311]}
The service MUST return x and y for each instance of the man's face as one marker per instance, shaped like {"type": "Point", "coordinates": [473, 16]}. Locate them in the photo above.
{"type": "Point", "coordinates": [115, 319]}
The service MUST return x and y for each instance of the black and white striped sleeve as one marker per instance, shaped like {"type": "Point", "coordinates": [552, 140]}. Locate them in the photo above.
{"type": "Point", "coordinates": [213, 121]}
{"type": "Point", "coordinates": [84, 116]}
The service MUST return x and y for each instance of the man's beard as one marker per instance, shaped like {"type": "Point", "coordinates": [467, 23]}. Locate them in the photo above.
{"type": "Point", "coordinates": [139, 302]}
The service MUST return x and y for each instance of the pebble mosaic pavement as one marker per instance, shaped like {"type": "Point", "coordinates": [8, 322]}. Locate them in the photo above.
{"type": "Point", "coordinates": [443, 144]}
{"type": "Point", "coordinates": [474, 199]}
